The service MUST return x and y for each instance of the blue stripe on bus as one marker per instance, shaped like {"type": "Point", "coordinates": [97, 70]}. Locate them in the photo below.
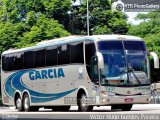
{"type": "Point", "coordinates": [14, 82]}
{"type": "Point", "coordinates": [54, 97]}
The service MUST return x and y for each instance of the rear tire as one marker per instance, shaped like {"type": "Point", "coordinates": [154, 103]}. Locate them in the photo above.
{"type": "Point", "coordinates": [82, 103]}
{"type": "Point", "coordinates": [26, 104]}
{"type": "Point", "coordinates": [18, 103]}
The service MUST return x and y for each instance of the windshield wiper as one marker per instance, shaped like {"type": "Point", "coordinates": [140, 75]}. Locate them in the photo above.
{"type": "Point", "coordinates": [132, 70]}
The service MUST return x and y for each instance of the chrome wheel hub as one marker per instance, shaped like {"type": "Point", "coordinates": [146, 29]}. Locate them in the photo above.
{"type": "Point", "coordinates": [26, 103]}
{"type": "Point", "coordinates": [19, 103]}
{"type": "Point", "coordinates": [84, 102]}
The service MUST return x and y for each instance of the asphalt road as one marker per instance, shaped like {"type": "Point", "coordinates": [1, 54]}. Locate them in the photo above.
{"type": "Point", "coordinates": [138, 112]}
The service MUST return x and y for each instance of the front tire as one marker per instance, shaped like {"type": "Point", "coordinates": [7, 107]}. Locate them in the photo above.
{"type": "Point", "coordinates": [82, 103]}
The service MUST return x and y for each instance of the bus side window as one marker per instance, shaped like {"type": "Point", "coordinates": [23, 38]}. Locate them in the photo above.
{"type": "Point", "coordinates": [64, 54]}
{"type": "Point", "coordinates": [89, 53]}
{"type": "Point", "coordinates": [77, 52]}
{"type": "Point", "coordinates": [51, 56]}
{"type": "Point", "coordinates": [4, 63]}
{"type": "Point", "coordinates": [29, 59]}
{"type": "Point", "coordinates": [10, 62]}
{"type": "Point", "coordinates": [39, 58]}
{"type": "Point", "coordinates": [18, 61]}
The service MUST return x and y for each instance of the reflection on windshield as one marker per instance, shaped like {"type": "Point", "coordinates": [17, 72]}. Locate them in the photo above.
{"type": "Point", "coordinates": [124, 62]}
{"type": "Point", "coordinates": [114, 64]}
{"type": "Point", "coordinates": [136, 55]}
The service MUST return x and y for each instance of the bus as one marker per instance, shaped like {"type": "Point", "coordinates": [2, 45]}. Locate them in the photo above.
{"type": "Point", "coordinates": [83, 71]}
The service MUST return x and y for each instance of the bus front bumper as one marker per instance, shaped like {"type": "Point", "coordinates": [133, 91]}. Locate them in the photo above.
{"type": "Point", "coordinates": [110, 100]}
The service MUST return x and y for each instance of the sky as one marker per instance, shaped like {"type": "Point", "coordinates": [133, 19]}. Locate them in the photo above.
{"type": "Point", "coordinates": [132, 15]}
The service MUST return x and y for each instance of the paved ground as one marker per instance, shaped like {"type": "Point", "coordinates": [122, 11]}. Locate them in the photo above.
{"type": "Point", "coordinates": [138, 112]}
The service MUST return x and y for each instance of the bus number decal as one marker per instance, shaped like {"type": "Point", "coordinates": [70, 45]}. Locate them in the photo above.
{"type": "Point", "coordinates": [111, 89]}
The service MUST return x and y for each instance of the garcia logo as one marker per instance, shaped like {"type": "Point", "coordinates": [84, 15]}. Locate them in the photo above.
{"type": "Point", "coordinates": [46, 74]}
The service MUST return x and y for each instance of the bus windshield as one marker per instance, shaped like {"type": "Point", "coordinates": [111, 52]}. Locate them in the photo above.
{"type": "Point", "coordinates": [125, 63]}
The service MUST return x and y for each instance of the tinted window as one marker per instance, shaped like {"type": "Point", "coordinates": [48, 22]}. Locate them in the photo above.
{"type": "Point", "coordinates": [28, 59]}
{"type": "Point", "coordinates": [10, 62]}
{"type": "Point", "coordinates": [77, 52]}
{"type": "Point", "coordinates": [4, 63]}
{"type": "Point", "coordinates": [18, 61]}
{"type": "Point", "coordinates": [134, 45]}
{"type": "Point", "coordinates": [89, 53]}
{"type": "Point", "coordinates": [110, 45]}
{"type": "Point", "coordinates": [51, 56]}
{"type": "Point", "coordinates": [64, 54]}
{"type": "Point", "coordinates": [40, 58]}
{"type": "Point", "coordinates": [7, 62]}
{"type": "Point", "coordinates": [94, 70]}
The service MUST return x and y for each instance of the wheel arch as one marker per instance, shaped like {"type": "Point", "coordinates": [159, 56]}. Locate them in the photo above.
{"type": "Point", "coordinates": [80, 91]}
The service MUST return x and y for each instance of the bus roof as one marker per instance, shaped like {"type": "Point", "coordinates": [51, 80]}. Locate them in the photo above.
{"type": "Point", "coordinates": [76, 38]}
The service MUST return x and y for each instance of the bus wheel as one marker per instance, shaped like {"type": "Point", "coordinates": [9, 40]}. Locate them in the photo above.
{"type": "Point", "coordinates": [18, 103]}
{"type": "Point", "coordinates": [61, 108]}
{"type": "Point", "coordinates": [127, 107]}
{"type": "Point", "coordinates": [26, 104]}
{"type": "Point", "coordinates": [82, 104]}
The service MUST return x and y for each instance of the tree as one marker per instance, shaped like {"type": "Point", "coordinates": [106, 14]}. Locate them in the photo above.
{"type": "Point", "coordinates": [9, 35]}
{"type": "Point", "coordinates": [43, 29]}
{"type": "Point", "coordinates": [25, 22]}
{"type": "Point", "coordinates": [102, 19]}
{"type": "Point", "coordinates": [18, 9]}
{"type": "Point", "coordinates": [149, 29]}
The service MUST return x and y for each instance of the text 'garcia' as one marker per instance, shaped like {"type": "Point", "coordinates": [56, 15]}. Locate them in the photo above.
{"type": "Point", "coordinates": [46, 74]}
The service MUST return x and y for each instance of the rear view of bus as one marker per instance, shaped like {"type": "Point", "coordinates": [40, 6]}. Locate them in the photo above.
{"type": "Point", "coordinates": [125, 74]}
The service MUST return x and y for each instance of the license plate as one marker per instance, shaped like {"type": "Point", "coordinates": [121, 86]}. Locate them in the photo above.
{"type": "Point", "coordinates": [128, 99]}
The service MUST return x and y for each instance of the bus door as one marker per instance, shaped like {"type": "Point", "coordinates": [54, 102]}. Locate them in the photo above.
{"type": "Point", "coordinates": [94, 71]}
{"type": "Point", "coordinates": [95, 77]}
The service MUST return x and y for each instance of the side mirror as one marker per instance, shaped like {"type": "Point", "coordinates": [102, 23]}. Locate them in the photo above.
{"type": "Point", "coordinates": [100, 60]}
{"type": "Point", "coordinates": [155, 58]}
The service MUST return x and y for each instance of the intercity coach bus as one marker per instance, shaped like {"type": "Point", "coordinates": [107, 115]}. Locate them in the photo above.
{"type": "Point", "coordinates": [86, 71]}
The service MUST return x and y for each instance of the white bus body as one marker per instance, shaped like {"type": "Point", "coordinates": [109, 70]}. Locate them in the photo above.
{"type": "Point", "coordinates": [71, 71]}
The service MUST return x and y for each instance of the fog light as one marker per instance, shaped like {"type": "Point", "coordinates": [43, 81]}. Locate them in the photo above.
{"type": "Point", "coordinates": [148, 99]}
{"type": "Point", "coordinates": [103, 99]}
